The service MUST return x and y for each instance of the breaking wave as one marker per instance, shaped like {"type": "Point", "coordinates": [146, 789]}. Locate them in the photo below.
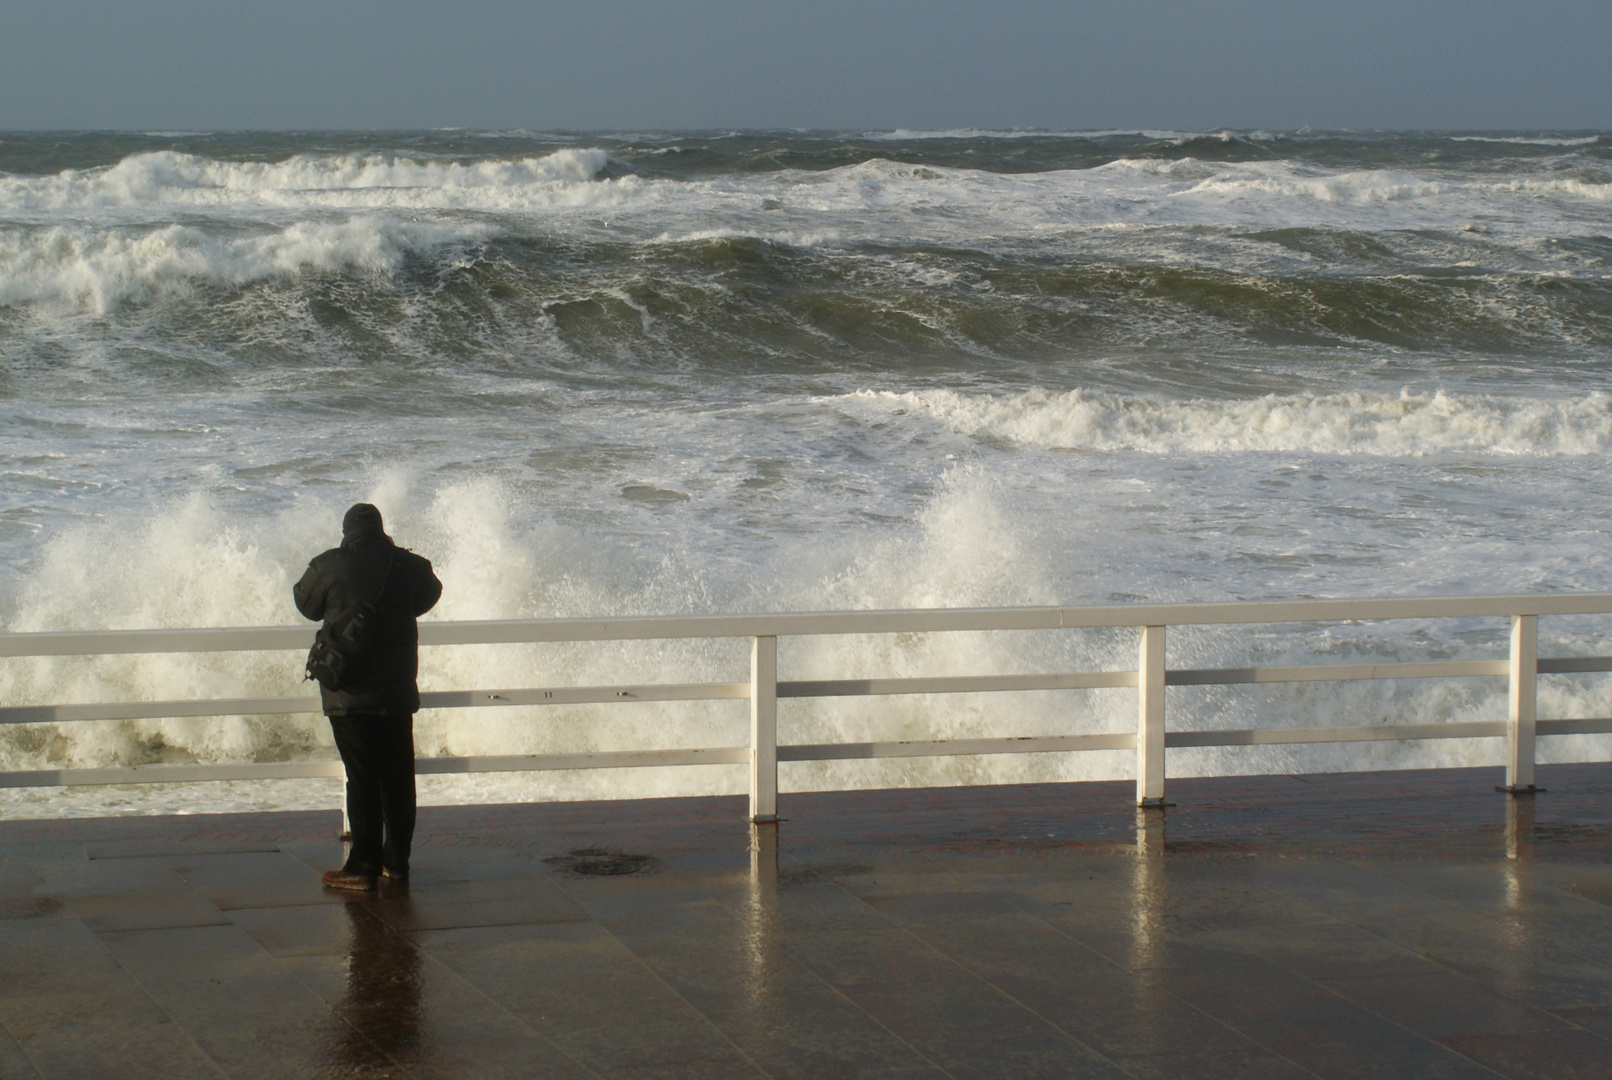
{"type": "Point", "coordinates": [166, 178]}
{"type": "Point", "coordinates": [1530, 140]}
{"type": "Point", "coordinates": [102, 269]}
{"type": "Point", "coordinates": [191, 563]}
{"type": "Point", "coordinates": [1140, 188]}
{"type": "Point", "coordinates": [727, 372]}
{"type": "Point", "coordinates": [1406, 425]}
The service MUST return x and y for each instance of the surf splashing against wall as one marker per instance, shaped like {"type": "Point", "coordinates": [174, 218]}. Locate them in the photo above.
{"type": "Point", "coordinates": [702, 372]}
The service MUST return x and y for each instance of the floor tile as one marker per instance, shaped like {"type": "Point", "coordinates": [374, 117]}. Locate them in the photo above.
{"type": "Point", "coordinates": [1443, 1004]}
{"type": "Point", "coordinates": [300, 929]}
{"type": "Point", "coordinates": [973, 1030]}
{"type": "Point", "coordinates": [102, 1026]}
{"type": "Point", "coordinates": [578, 987]}
{"type": "Point", "coordinates": [1374, 1054]}
{"type": "Point", "coordinates": [1321, 927]}
{"type": "Point", "coordinates": [1334, 951]}
{"type": "Point", "coordinates": [253, 880]}
{"type": "Point", "coordinates": [1593, 1018]}
{"type": "Point", "coordinates": [34, 951]}
{"type": "Point", "coordinates": [241, 1007]}
{"type": "Point", "coordinates": [492, 902]}
{"type": "Point", "coordinates": [1552, 1055]}
{"type": "Point", "coordinates": [14, 1064]}
{"type": "Point", "coordinates": [736, 1069]}
{"type": "Point", "coordinates": [1255, 1064]}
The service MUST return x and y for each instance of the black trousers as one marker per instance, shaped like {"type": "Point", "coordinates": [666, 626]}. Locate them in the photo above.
{"type": "Point", "coordinates": [377, 750]}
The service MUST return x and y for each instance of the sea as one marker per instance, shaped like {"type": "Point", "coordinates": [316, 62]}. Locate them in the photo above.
{"type": "Point", "coordinates": [593, 374]}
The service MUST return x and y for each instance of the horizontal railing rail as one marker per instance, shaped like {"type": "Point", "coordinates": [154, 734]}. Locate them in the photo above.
{"type": "Point", "coordinates": [920, 620]}
{"type": "Point", "coordinates": [763, 689]}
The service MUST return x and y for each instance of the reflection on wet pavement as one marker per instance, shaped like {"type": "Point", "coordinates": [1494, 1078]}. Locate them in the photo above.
{"type": "Point", "coordinates": [1341, 926]}
{"type": "Point", "coordinates": [382, 999]}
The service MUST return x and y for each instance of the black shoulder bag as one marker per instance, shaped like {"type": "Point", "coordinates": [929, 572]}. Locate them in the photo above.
{"type": "Point", "coordinates": [343, 641]}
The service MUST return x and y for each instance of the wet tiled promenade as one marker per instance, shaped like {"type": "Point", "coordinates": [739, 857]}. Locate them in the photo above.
{"type": "Point", "coordinates": [1367, 925]}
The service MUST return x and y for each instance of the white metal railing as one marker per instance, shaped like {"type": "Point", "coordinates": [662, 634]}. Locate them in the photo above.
{"type": "Point", "coordinates": [1150, 740]}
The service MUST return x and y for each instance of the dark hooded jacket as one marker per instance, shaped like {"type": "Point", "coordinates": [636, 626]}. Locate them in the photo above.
{"type": "Point", "coordinates": [350, 576]}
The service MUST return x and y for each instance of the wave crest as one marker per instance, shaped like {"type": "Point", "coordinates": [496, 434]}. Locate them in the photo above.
{"type": "Point", "coordinates": [102, 270]}
{"type": "Point", "coordinates": [1407, 425]}
{"type": "Point", "coordinates": [166, 178]}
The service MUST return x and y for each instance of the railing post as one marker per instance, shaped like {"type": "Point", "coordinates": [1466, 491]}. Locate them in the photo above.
{"type": "Point", "coordinates": [763, 729]}
{"type": "Point", "coordinates": [1520, 722]}
{"type": "Point", "coordinates": [1150, 718]}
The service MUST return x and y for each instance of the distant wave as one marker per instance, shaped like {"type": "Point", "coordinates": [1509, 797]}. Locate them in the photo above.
{"type": "Point", "coordinates": [165, 178]}
{"type": "Point", "coordinates": [154, 223]}
{"type": "Point", "coordinates": [1529, 140]}
{"type": "Point", "coordinates": [1360, 187]}
{"type": "Point", "coordinates": [1407, 425]}
{"type": "Point", "coordinates": [907, 134]}
{"type": "Point", "coordinates": [880, 199]}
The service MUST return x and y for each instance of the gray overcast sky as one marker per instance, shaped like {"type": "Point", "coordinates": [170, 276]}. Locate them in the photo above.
{"type": "Point", "coordinates": [618, 64]}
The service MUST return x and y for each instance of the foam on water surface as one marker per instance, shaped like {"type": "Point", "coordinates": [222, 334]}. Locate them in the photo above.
{"type": "Point", "coordinates": [590, 376]}
{"type": "Point", "coordinates": [1402, 425]}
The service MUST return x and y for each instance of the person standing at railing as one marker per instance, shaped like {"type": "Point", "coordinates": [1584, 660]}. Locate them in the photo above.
{"type": "Point", "coordinates": [368, 592]}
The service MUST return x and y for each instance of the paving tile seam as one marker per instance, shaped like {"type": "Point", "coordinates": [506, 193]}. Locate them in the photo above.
{"type": "Point", "coordinates": [650, 970]}
{"type": "Point", "coordinates": [838, 993]}
{"type": "Point", "coordinates": [167, 1017]}
{"type": "Point", "coordinates": [861, 902]}
{"type": "Point", "coordinates": [874, 1020]}
{"type": "Point", "coordinates": [336, 1014]}
{"type": "Point", "coordinates": [1279, 966]}
{"type": "Point", "coordinates": [1489, 919]}
{"type": "Point", "coordinates": [1445, 969]}
{"type": "Point", "coordinates": [177, 1025]}
{"type": "Point", "coordinates": [493, 1002]}
{"type": "Point", "coordinates": [339, 1017]}
{"type": "Point", "coordinates": [39, 1074]}
{"type": "Point", "coordinates": [1434, 1039]}
{"type": "Point", "coordinates": [273, 963]}
{"type": "Point", "coordinates": [1585, 957]}
{"type": "Point", "coordinates": [1427, 1039]}
{"type": "Point", "coordinates": [1101, 958]}
{"type": "Point", "coordinates": [1529, 1074]}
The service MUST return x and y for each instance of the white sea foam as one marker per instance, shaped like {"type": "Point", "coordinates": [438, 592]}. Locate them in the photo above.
{"type": "Point", "coordinates": [168, 179]}
{"type": "Point", "coordinates": [190, 563]}
{"type": "Point", "coordinates": [1530, 140]}
{"type": "Point", "coordinates": [882, 199]}
{"type": "Point", "coordinates": [1353, 187]}
{"type": "Point", "coordinates": [524, 487]}
{"type": "Point", "coordinates": [1406, 425]}
{"type": "Point", "coordinates": [909, 134]}
{"type": "Point", "coordinates": [566, 190]}
{"type": "Point", "coordinates": [102, 268]}
{"type": "Point", "coordinates": [86, 239]}
{"type": "Point", "coordinates": [1593, 190]}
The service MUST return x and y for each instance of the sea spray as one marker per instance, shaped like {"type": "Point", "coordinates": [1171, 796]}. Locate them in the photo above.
{"type": "Point", "coordinates": [188, 565]}
{"type": "Point", "coordinates": [706, 372]}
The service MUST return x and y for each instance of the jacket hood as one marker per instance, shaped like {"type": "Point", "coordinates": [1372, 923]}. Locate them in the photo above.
{"type": "Point", "coordinates": [361, 522]}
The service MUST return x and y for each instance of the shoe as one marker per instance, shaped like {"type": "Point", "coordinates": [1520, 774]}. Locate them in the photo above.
{"type": "Point", "coordinates": [396, 877]}
{"type": "Point", "coordinates": [341, 879]}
